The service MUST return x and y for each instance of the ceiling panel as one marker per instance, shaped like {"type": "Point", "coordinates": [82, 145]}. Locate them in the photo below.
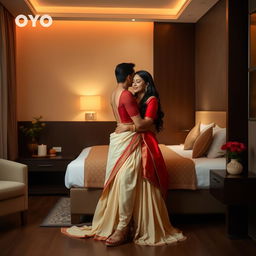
{"type": "Point", "coordinates": [113, 3]}
{"type": "Point", "coordinates": [116, 10]}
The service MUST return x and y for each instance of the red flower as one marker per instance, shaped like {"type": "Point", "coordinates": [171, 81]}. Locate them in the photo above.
{"type": "Point", "coordinates": [243, 147]}
{"type": "Point", "coordinates": [224, 147]}
{"type": "Point", "coordinates": [229, 144]}
{"type": "Point", "coordinates": [233, 148]}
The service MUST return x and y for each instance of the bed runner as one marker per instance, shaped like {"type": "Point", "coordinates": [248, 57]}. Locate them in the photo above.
{"type": "Point", "coordinates": [95, 167]}
{"type": "Point", "coordinates": [181, 170]}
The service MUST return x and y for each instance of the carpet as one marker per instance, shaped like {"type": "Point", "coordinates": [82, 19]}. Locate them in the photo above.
{"type": "Point", "coordinates": [59, 215]}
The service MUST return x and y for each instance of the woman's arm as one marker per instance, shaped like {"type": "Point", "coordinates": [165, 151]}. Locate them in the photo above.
{"type": "Point", "coordinates": [142, 124]}
{"type": "Point", "coordinates": [150, 115]}
{"type": "Point", "coordinates": [132, 108]}
{"type": "Point", "coordinates": [142, 127]}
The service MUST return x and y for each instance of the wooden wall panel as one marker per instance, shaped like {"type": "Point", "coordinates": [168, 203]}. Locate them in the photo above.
{"type": "Point", "coordinates": [237, 76]}
{"type": "Point", "coordinates": [210, 56]}
{"type": "Point", "coordinates": [71, 136]}
{"type": "Point", "coordinates": [174, 74]}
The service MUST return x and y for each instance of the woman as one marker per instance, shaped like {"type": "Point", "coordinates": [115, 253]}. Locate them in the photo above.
{"type": "Point", "coordinates": [127, 179]}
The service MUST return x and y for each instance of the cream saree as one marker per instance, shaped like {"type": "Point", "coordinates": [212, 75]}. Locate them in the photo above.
{"type": "Point", "coordinates": [129, 198]}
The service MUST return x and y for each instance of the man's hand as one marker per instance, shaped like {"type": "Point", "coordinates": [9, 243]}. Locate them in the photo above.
{"type": "Point", "coordinates": [123, 128]}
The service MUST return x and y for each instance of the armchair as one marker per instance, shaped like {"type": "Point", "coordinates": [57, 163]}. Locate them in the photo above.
{"type": "Point", "coordinates": [13, 189]}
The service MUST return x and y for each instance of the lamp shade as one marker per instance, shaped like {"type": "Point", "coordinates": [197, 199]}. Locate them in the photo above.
{"type": "Point", "coordinates": [90, 102]}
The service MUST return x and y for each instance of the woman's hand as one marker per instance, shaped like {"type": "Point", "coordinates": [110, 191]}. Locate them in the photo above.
{"type": "Point", "coordinates": [123, 128]}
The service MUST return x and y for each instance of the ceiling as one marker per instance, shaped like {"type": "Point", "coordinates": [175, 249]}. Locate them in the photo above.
{"type": "Point", "coordinates": [140, 10]}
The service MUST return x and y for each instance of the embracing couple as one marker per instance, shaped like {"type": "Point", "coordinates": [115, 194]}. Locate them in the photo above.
{"type": "Point", "coordinates": [132, 204]}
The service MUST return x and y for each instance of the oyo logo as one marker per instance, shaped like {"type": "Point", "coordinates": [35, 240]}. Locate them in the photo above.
{"type": "Point", "coordinates": [45, 20]}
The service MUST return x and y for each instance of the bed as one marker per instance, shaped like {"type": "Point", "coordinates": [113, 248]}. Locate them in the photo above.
{"type": "Point", "coordinates": [180, 201]}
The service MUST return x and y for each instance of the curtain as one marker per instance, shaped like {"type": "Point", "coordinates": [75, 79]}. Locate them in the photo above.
{"type": "Point", "coordinates": [8, 98]}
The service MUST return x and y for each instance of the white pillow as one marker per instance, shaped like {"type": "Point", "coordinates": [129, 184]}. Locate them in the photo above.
{"type": "Point", "coordinates": [219, 138]}
{"type": "Point", "coordinates": [204, 127]}
{"type": "Point", "coordinates": [217, 128]}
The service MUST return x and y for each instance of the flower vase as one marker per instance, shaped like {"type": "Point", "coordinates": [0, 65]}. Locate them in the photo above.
{"type": "Point", "coordinates": [234, 167]}
{"type": "Point", "coordinates": [32, 146]}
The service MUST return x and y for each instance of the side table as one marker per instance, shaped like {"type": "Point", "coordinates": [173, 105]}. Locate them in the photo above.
{"type": "Point", "coordinates": [237, 192]}
{"type": "Point", "coordinates": [46, 174]}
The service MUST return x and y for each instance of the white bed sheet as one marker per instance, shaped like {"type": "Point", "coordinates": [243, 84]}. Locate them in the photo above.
{"type": "Point", "coordinates": [74, 176]}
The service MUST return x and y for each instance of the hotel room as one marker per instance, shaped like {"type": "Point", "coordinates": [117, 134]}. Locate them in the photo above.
{"type": "Point", "coordinates": [57, 74]}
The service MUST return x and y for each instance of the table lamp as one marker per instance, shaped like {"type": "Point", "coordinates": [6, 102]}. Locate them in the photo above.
{"type": "Point", "coordinates": [90, 103]}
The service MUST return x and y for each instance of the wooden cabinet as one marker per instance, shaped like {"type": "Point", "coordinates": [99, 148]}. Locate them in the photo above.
{"type": "Point", "coordinates": [46, 175]}
{"type": "Point", "coordinates": [237, 193]}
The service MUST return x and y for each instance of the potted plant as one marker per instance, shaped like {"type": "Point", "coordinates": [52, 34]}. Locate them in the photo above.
{"type": "Point", "coordinates": [233, 152]}
{"type": "Point", "coordinates": [33, 132]}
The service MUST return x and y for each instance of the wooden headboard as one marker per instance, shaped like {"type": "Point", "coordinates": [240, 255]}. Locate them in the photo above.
{"type": "Point", "coordinates": [206, 117]}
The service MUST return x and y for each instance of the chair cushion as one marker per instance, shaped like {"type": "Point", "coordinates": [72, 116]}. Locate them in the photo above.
{"type": "Point", "coordinates": [11, 189]}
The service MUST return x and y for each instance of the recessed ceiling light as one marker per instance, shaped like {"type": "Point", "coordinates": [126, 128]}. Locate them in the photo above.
{"type": "Point", "coordinates": [133, 19]}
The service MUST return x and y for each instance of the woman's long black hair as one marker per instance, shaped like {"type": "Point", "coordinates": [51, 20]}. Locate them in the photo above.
{"type": "Point", "coordinates": [150, 91]}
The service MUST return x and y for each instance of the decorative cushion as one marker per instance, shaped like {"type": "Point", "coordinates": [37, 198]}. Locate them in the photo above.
{"type": "Point", "coordinates": [191, 137]}
{"type": "Point", "coordinates": [204, 127]}
{"type": "Point", "coordinates": [219, 138]}
{"type": "Point", "coordinates": [202, 143]}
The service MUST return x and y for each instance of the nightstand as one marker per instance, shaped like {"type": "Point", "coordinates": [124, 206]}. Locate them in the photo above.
{"type": "Point", "coordinates": [237, 192]}
{"type": "Point", "coordinates": [46, 175]}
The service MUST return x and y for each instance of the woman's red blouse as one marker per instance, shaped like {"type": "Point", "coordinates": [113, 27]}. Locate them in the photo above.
{"type": "Point", "coordinates": [152, 106]}
{"type": "Point", "coordinates": [128, 107]}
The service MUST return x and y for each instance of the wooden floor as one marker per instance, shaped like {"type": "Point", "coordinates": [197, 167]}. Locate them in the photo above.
{"type": "Point", "coordinates": [206, 237]}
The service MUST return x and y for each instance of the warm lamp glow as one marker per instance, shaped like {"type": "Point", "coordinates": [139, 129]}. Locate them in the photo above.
{"type": "Point", "coordinates": [90, 103]}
